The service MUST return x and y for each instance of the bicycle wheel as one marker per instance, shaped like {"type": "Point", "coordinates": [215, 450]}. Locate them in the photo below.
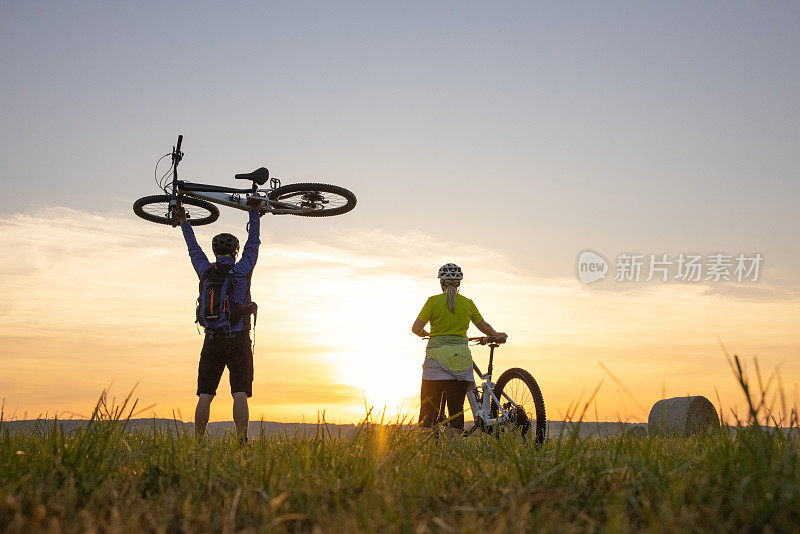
{"type": "Point", "coordinates": [520, 386]}
{"type": "Point", "coordinates": [313, 200]}
{"type": "Point", "coordinates": [155, 208]}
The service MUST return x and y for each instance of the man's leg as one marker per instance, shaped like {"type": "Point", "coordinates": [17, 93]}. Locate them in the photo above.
{"type": "Point", "coordinates": [241, 413]}
{"type": "Point", "coordinates": [240, 367]}
{"type": "Point", "coordinates": [209, 371]}
{"type": "Point", "coordinates": [201, 414]}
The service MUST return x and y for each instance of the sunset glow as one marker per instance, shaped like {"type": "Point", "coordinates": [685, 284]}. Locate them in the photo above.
{"type": "Point", "coordinates": [333, 331]}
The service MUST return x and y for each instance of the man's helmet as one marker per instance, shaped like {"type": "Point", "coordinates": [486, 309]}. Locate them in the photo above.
{"type": "Point", "coordinates": [224, 244]}
{"type": "Point", "coordinates": [450, 272]}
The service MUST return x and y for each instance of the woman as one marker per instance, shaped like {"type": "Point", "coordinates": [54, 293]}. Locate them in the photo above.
{"type": "Point", "coordinates": [447, 371]}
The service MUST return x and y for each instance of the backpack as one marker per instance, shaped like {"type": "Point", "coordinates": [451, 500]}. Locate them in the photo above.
{"type": "Point", "coordinates": [216, 309]}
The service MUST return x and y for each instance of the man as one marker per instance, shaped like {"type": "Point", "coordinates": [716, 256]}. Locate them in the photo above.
{"type": "Point", "coordinates": [226, 347]}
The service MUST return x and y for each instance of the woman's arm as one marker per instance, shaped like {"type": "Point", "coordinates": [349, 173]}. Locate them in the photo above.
{"type": "Point", "coordinates": [419, 328]}
{"type": "Point", "coordinates": [487, 329]}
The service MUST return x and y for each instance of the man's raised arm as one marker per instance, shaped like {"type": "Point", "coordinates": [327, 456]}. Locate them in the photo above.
{"type": "Point", "coordinates": [199, 260]}
{"type": "Point", "coordinates": [250, 250]}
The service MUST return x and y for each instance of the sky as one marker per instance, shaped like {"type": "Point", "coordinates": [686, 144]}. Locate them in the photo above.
{"type": "Point", "coordinates": [507, 138]}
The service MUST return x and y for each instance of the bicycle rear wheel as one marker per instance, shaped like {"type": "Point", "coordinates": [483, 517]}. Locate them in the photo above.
{"type": "Point", "coordinates": [155, 208]}
{"type": "Point", "coordinates": [313, 200]}
{"type": "Point", "coordinates": [529, 415]}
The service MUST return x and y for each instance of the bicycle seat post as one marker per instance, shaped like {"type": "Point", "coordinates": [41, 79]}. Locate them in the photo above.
{"type": "Point", "coordinates": [491, 358]}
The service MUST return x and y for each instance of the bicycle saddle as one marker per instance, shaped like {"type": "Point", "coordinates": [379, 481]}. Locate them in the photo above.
{"type": "Point", "coordinates": [259, 176]}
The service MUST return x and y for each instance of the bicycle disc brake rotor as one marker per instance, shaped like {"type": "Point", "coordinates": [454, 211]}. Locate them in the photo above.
{"type": "Point", "coordinates": [313, 200]}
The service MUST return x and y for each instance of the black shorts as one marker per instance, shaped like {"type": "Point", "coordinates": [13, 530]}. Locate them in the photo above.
{"type": "Point", "coordinates": [220, 350]}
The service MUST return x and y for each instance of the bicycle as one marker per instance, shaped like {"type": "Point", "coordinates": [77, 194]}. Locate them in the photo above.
{"type": "Point", "coordinates": [198, 200]}
{"type": "Point", "coordinates": [522, 406]}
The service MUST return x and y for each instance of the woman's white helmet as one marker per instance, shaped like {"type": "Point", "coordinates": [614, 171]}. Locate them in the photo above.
{"type": "Point", "coordinates": [450, 272]}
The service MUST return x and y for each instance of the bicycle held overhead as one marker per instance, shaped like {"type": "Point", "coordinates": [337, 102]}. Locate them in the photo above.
{"type": "Point", "coordinates": [198, 200]}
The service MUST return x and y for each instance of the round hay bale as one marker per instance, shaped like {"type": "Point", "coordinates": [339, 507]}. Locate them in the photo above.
{"type": "Point", "coordinates": [685, 416]}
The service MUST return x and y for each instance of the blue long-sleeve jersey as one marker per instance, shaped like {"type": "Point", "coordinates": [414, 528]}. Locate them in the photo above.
{"type": "Point", "coordinates": [242, 270]}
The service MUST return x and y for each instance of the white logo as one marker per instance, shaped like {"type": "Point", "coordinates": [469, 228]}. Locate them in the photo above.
{"type": "Point", "coordinates": [591, 267]}
{"type": "Point", "coordinates": [717, 267]}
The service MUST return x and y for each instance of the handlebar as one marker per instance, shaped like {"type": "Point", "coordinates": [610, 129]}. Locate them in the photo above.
{"type": "Point", "coordinates": [487, 340]}
{"type": "Point", "coordinates": [177, 155]}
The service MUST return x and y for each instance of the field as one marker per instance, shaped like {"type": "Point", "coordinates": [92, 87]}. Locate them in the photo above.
{"type": "Point", "coordinates": [383, 478]}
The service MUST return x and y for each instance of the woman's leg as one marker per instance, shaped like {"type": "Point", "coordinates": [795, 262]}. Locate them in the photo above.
{"type": "Point", "coordinates": [456, 393]}
{"type": "Point", "coordinates": [432, 399]}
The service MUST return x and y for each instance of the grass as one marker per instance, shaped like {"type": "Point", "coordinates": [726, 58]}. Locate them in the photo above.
{"type": "Point", "coordinates": [104, 478]}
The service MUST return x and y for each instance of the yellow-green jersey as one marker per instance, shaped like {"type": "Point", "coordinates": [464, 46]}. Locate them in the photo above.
{"type": "Point", "coordinates": [446, 323]}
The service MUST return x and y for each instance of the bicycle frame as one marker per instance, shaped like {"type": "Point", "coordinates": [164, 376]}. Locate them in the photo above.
{"type": "Point", "coordinates": [481, 408]}
{"type": "Point", "coordinates": [236, 198]}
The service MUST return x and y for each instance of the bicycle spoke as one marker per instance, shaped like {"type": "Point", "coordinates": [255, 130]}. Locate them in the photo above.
{"type": "Point", "coordinates": [519, 392]}
{"type": "Point", "coordinates": [157, 209]}
{"type": "Point", "coordinates": [516, 396]}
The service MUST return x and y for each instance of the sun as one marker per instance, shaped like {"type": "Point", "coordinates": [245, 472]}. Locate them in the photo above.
{"type": "Point", "coordinates": [364, 323]}
{"type": "Point", "coordinates": [388, 380]}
